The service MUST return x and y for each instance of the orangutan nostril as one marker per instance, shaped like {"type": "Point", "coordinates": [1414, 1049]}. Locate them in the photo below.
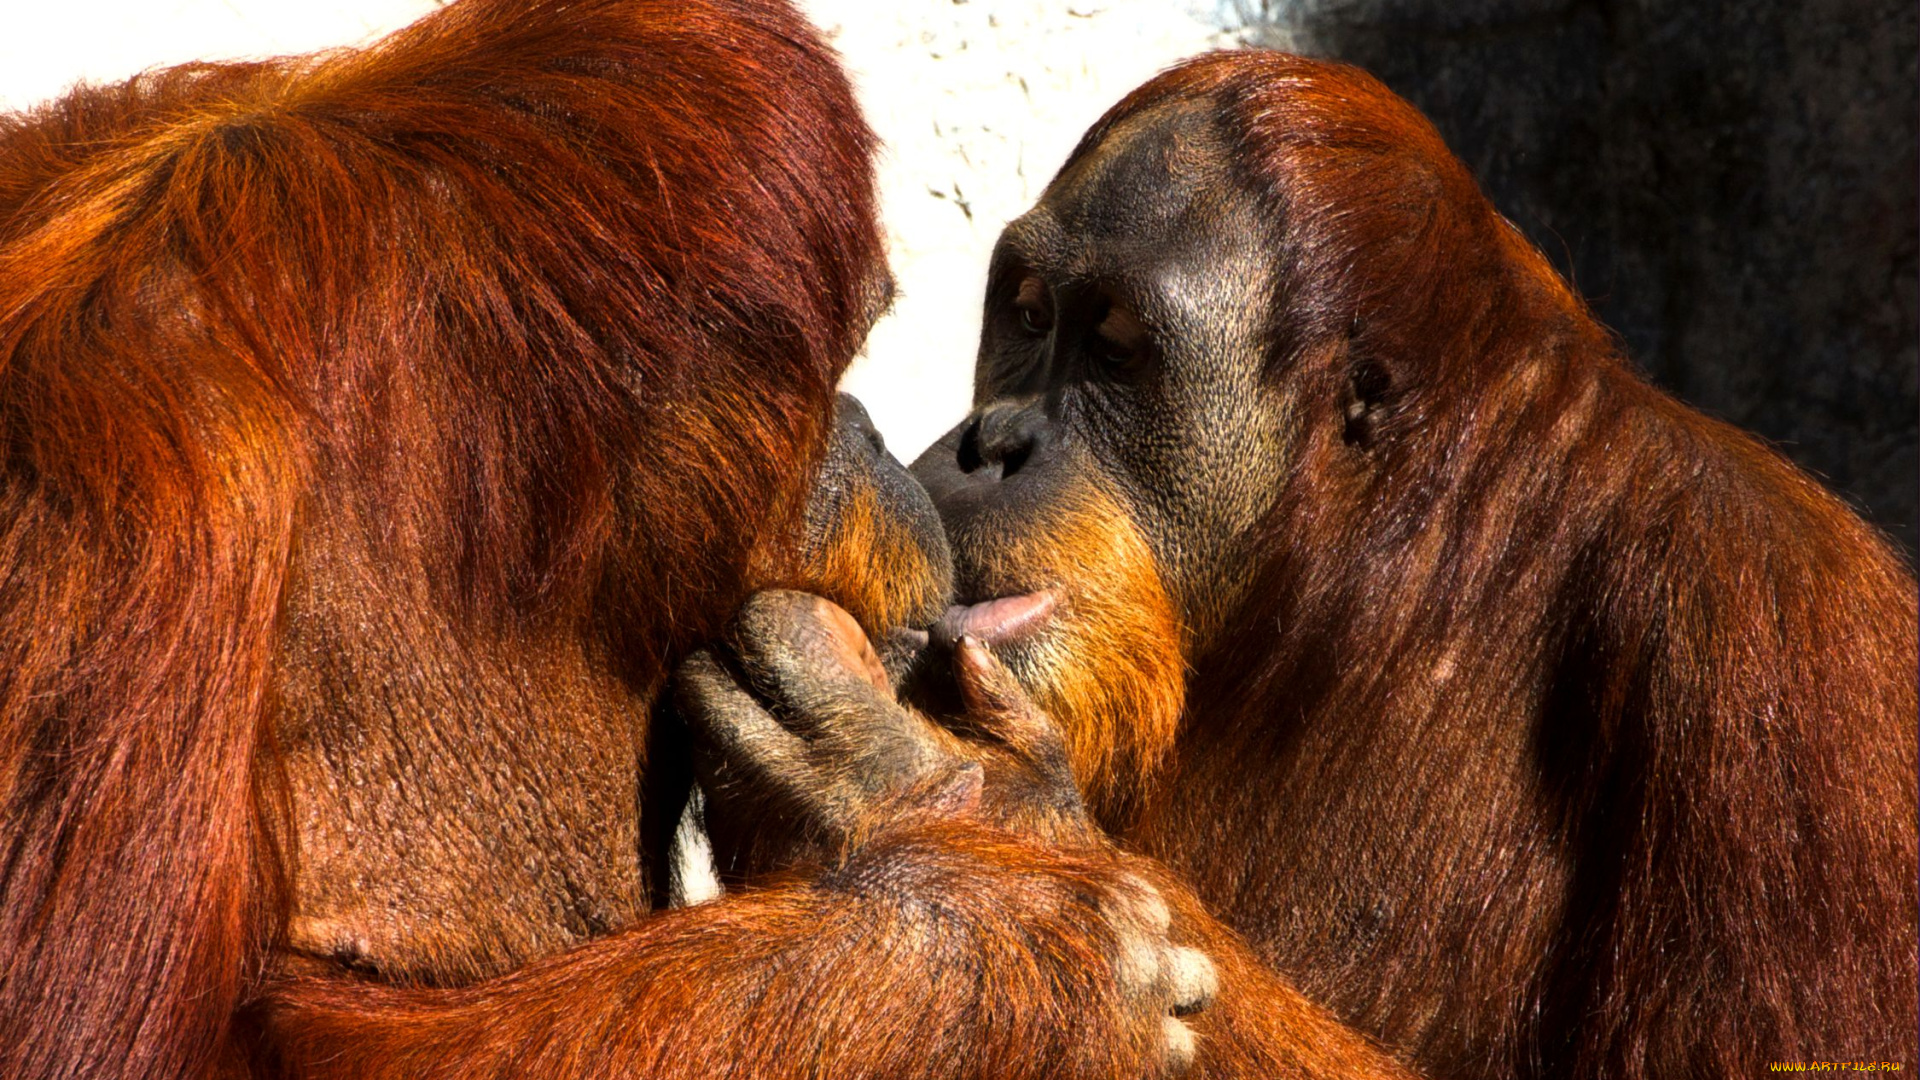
{"type": "Point", "coordinates": [1014, 458]}
{"type": "Point", "coordinates": [968, 457]}
{"type": "Point", "coordinates": [1003, 437]}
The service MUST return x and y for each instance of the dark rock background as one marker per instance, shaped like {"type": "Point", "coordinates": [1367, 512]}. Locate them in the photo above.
{"type": "Point", "coordinates": [1733, 186]}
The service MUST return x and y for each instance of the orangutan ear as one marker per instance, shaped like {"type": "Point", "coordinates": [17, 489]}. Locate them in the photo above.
{"type": "Point", "coordinates": [1367, 389]}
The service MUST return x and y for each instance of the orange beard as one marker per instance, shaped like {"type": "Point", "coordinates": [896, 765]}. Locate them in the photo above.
{"type": "Point", "coordinates": [1110, 666]}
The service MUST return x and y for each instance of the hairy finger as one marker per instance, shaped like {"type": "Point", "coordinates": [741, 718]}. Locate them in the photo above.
{"type": "Point", "coordinates": [729, 723]}
{"type": "Point", "coordinates": [998, 706]}
{"type": "Point", "coordinates": [811, 660]}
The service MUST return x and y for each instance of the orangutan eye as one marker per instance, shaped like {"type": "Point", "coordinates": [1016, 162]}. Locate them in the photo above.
{"type": "Point", "coordinates": [1120, 338]}
{"type": "Point", "coordinates": [1034, 307]}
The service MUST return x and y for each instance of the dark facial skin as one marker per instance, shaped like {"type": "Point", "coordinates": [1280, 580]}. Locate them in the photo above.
{"type": "Point", "coordinates": [1121, 347]}
{"type": "Point", "coordinates": [859, 476]}
{"type": "Point", "coordinates": [858, 452]}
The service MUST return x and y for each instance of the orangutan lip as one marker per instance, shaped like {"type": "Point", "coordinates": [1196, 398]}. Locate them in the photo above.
{"type": "Point", "coordinates": [995, 622]}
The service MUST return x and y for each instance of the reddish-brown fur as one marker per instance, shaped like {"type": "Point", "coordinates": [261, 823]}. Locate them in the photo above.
{"type": "Point", "coordinates": [827, 977]}
{"type": "Point", "coordinates": [376, 310]}
{"type": "Point", "coordinates": [1569, 732]}
{"type": "Point", "coordinates": [378, 427]}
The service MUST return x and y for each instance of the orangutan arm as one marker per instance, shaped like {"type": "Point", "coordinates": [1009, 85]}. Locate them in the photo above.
{"type": "Point", "coordinates": [940, 948]}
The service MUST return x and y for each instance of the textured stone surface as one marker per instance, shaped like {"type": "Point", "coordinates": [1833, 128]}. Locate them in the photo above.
{"type": "Point", "coordinates": [1732, 185]}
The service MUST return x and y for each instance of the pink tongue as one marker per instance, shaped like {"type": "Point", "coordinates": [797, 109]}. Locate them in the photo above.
{"type": "Point", "coordinates": [995, 622]}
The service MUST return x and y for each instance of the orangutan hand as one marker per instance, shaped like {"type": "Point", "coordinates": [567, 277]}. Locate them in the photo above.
{"type": "Point", "coordinates": [804, 754]}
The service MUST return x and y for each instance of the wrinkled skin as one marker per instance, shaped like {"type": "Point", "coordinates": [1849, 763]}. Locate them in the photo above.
{"type": "Point", "coordinates": [801, 739]}
{"type": "Point", "coordinates": [1124, 442]}
{"type": "Point", "coordinates": [1121, 349]}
